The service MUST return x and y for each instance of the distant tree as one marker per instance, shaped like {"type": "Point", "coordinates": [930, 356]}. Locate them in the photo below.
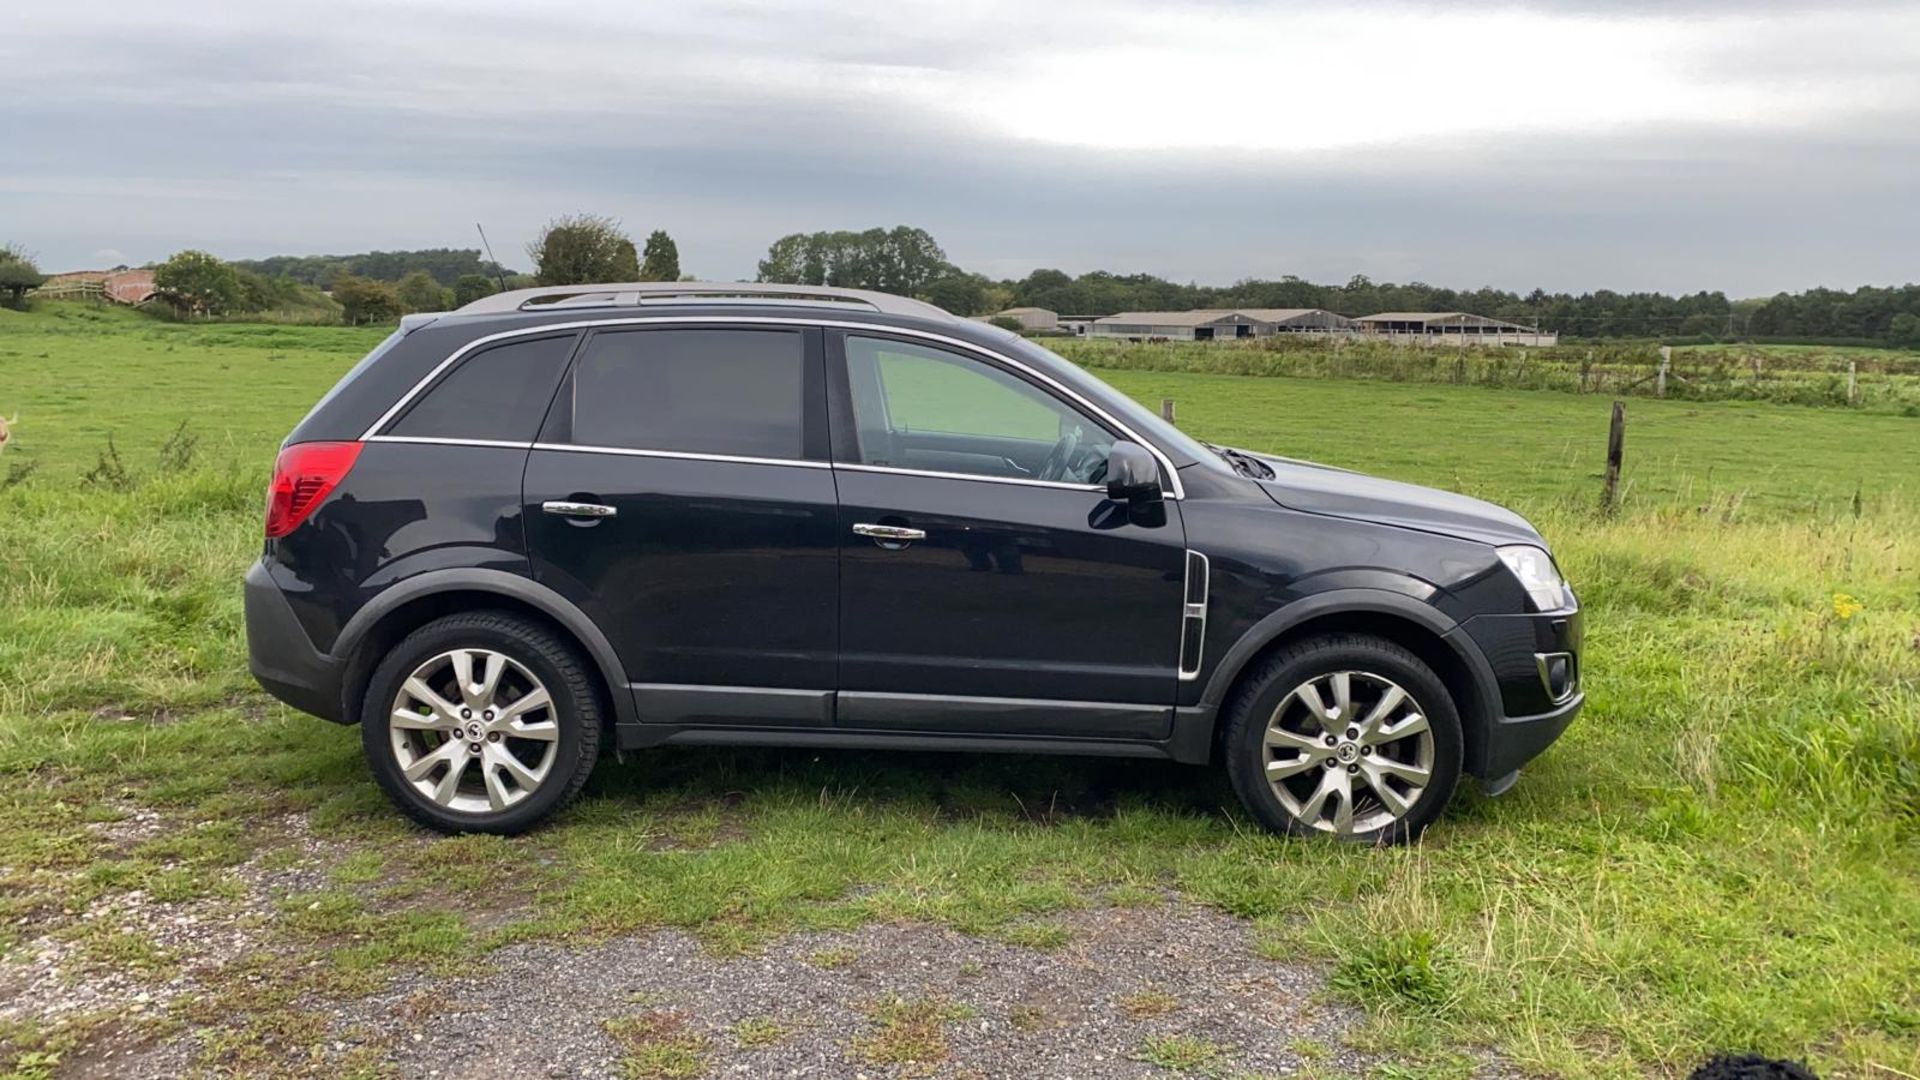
{"type": "Point", "coordinates": [903, 260]}
{"type": "Point", "coordinates": [583, 249]}
{"type": "Point", "coordinates": [472, 287]}
{"type": "Point", "coordinates": [362, 300]}
{"type": "Point", "coordinates": [445, 264]}
{"type": "Point", "coordinates": [17, 275]}
{"type": "Point", "coordinates": [199, 283]}
{"type": "Point", "coordinates": [419, 292]}
{"type": "Point", "coordinates": [1008, 322]}
{"type": "Point", "coordinates": [786, 261]}
{"type": "Point", "coordinates": [1903, 330]}
{"type": "Point", "coordinates": [961, 294]}
{"type": "Point", "coordinates": [661, 259]}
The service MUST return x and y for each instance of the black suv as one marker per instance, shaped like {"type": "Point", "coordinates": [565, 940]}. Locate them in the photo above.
{"type": "Point", "coordinates": [781, 516]}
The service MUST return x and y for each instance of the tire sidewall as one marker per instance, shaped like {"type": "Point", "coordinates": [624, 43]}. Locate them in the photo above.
{"type": "Point", "coordinates": [1246, 757]}
{"type": "Point", "coordinates": [376, 730]}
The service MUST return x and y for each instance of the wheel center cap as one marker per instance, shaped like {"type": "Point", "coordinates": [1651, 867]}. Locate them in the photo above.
{"type": "Point", "coordinates": [473, 731]}
{"type": "Point", "coordinates": [1348, 753]}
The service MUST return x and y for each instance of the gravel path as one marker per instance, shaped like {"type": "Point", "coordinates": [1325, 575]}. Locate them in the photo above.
{"type": "Point", "coordinates": [880, 1001]}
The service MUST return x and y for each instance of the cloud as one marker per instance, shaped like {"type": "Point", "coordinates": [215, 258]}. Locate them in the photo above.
{"type": "Point", "coordinates": [1681, 146]}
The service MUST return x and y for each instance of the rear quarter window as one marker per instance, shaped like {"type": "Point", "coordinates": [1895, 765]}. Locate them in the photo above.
{"type": "Point", "coordinates": [498, 393]}
{"type": "Point", "coordinates": [723, 391]}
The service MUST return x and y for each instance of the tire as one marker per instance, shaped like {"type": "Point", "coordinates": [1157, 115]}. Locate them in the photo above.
{"type": "Point", "coordinates": [1277, 745]}
{"type": "Point", "coordinates": [520, 757]}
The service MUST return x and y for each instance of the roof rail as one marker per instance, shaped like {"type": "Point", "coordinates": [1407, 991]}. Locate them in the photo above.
{"type": "Point", "coordinates": [633, 294]}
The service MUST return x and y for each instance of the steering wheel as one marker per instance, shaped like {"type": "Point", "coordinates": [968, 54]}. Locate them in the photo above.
{"type": "Point", "coordinates": [1060, 458]}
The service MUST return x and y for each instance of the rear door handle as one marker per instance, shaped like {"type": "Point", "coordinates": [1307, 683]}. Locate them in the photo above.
{"type": "Point", "coordinates": [563, 508]}
{"type": "Point", "coordinates": [895, 533]}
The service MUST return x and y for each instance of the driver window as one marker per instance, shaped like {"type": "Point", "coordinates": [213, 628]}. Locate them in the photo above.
{"type": "Point", "coordinates": [921, 408]}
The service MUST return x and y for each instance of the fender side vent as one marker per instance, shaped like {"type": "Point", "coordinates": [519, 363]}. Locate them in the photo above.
{"type": "Point", "coordinates": [1193, 616]}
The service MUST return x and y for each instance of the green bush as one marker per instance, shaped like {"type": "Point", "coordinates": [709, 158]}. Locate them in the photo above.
{"type": "Point", "coordinates": [363, 301]}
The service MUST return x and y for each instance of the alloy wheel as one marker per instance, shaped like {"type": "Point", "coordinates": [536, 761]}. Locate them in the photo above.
{"type": "Point", "coordinates": [1348, 752]}
{"type": "Point", "coordinates": [474, 730]}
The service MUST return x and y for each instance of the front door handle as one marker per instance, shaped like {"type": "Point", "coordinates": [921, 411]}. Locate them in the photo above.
{"type": "Point", "coordinates": [895, 533]}
{"type": "Point", "coordinates": [563, 508]}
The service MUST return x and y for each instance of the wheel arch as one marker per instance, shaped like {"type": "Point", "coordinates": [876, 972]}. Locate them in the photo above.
{"type": "Point", "coordinates": [410, 604]}
{"type": "Point", "coordinates": [1415, 626]}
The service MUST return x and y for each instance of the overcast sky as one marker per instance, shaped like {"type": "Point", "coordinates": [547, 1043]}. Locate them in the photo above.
{"type": "Point", "coordinates": [1743, 145]}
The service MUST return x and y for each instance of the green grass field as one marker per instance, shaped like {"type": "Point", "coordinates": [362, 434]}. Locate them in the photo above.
{"type": "Point", "coordinates": [1724, 854]}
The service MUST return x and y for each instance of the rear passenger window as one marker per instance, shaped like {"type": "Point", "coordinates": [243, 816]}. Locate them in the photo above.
{"type": "Point", "coordinates": [732, 392]}
{"type": "Point", "coordinates": [498, 393]}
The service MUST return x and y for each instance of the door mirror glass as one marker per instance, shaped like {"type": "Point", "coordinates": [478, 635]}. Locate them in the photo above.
{"type": "Point", "coordinates": [1133, 475]}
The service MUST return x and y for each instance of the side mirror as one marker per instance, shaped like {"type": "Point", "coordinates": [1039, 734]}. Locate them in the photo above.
{"type": "Point", "coordinates": [1133, 475]}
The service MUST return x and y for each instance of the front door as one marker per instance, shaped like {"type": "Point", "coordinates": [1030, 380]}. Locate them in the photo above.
{"type": "Point", "coordinates": [680, 495]}
{"type": "Point", "coordinates": [987, 585]}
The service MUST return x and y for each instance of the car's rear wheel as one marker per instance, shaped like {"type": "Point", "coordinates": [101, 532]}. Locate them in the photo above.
{"type": "Point", "coordinates": [481, 722]}
{"type": "Point", "coordinates": [1347, 736]}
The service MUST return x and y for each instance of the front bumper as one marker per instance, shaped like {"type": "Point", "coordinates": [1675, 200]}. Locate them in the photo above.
{"type": "Point", "coordinates": [1535, 662]}
{"type": "Point", "coordinates": [282, 658]}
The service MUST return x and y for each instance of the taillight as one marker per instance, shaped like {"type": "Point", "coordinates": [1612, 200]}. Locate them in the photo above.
{"type": "Point", "coordinates": [302, 477]}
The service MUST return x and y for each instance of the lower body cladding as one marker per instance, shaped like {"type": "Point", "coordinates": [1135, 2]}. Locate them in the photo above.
{"type": "Point", "coordinates": [750, 716]}
{"type": "Point", "coordinates": [762, 716]}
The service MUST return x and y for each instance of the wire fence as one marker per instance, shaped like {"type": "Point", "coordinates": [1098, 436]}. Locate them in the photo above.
{"type": "Point", "coordinates": [1797, 376]}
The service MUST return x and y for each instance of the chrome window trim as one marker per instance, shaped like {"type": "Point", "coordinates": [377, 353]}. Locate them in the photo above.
{"type": "Point", "coordinates": [685, 455]}
{"type": "Point", "coordinates": [739, 459]}
{"type": "Point", "coordinates": [1193, 615]}
{"type": "Point", "coordinates": [448, 440]}
{"type": "Point", "coordinates": [1166, 464]}
{"type": "Point", "coordinates": [1022, 481]}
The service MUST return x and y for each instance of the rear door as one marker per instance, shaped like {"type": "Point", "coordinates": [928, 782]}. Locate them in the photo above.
{"type": "Point", "coordinates": [988, 585]}
{"type": "Point", "coordinates": [681, 494]}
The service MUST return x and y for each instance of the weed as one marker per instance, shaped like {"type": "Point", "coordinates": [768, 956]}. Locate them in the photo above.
{"type": "Point", "coordinates": [758, 1031]}
{"type": "Point", "coordinates": [1148, 1003]}
{"type": "Point", "coordinates": [1396, 968]}
{"type": "Point", "coordinates": [909, 1034]}
{"type": "Point", "coordinates": [1182, 1054]}
{"type": "Point", "coordinates": [833, 958]}
{"type": "Point", "coordinates": [176, 454]}
{"type": "Point", "coordinates": [108, 472]}
{"type": "Point", "coordinates": [660, 1045]}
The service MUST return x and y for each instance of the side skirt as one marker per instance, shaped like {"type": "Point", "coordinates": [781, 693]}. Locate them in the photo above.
{"type": "Point", "coordinates": [643, 736]}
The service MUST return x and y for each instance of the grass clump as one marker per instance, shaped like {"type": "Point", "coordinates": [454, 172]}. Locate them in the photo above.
{"type": "Point", "coordinates": [757, 1031]}
{"type": "Point", "coordinates": [1182, 1054]}
{"type": "Point", "coordinates": [909, 1034]}
{"type": "Point", "coordinates": [1148, 1003]}
{"type": "Point", "coordinates": [659, 1045]}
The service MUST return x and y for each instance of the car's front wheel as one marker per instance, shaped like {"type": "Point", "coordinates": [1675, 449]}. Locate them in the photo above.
{"type": "Point", "coordinates": [481, 722]}
{"type": "Point", "coordinates": [1347, 736]}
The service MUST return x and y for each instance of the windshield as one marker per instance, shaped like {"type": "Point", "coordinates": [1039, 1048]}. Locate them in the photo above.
{"type": "Point", "coordinates": [1145, 421]}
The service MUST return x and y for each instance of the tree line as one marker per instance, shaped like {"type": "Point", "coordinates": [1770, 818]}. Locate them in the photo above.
{"type": "Point", "coordinates": [908, 261]}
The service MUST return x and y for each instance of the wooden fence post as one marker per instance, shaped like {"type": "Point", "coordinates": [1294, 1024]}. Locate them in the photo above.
{"type": "Point", "coordinates": [1853, 382]}
{"type": "Point", "coordinates": [1666, 361]}
{"type": "Point", "coordinates": [1616, 447]}
{"type": "Point", "coordinates": [1166, 409]}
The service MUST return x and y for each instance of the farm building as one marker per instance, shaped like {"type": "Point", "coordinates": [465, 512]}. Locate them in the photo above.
{"type": "Point", "coordinates": [121, 286]}
{"type": "Point", "coordinates": [1031, 318]}
{"type": "Point", "coordinates": [1179, 326]}
{"type": "Point", "coordinates": [1451, 328]}
{"type": "Point", "coordinates": [1300, 320]}
{"type": "Point", "coordinates": [1077, 325]}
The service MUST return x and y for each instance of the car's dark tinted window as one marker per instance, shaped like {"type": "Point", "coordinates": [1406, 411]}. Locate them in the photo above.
{"type": "Point", "coordinates": [497, 393]}
{"type": "Point", "coordinates": [734, 392]}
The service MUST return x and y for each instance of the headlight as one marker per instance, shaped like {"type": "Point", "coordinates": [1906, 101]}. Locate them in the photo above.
{"type": "Point", "coordinates": [1537, 575]}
